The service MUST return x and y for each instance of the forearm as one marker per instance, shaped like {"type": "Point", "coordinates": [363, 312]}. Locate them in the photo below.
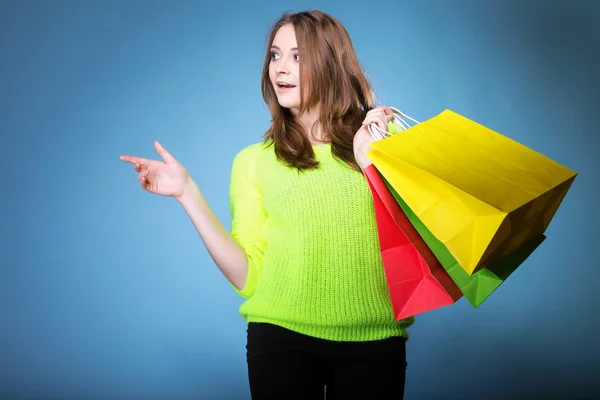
{"type": "Point", "coordinates": [224, 250]}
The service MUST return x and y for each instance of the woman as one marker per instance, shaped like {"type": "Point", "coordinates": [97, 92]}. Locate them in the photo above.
{"type": "Point", "coordinates": [303, 248]}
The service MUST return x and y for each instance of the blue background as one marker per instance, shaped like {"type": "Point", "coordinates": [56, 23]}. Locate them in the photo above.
{"type": "Point", "coordinates": [106, 291]}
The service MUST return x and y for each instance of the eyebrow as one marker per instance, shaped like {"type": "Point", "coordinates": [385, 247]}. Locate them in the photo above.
{"type": "Point", "coordinates": [277, 48]}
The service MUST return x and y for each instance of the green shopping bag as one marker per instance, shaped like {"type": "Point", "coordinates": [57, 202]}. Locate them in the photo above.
{"type": "Point", "coordinates": [482, 283]}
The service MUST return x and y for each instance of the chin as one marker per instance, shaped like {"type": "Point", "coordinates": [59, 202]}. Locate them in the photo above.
{"type": "Point", "coordinates": [289, 104]}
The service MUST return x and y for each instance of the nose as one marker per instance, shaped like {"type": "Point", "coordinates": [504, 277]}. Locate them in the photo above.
{"type": "Point", "coordinates": [283, 66]}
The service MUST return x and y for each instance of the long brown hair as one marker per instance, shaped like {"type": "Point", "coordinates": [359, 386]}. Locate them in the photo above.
{"type": "Point", "coordinates": [331, 77]}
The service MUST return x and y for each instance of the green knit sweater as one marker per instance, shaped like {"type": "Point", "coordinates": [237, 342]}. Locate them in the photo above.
{"type": "Point", "coordinates": [313, 251]}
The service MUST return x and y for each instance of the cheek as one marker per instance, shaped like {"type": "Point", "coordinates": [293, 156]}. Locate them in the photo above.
{"type": "Point", "coordinates": [296, 70]}
{"type": "Point", "coordinates": [271, 72]}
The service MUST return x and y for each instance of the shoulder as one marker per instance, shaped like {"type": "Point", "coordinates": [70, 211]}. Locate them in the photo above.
{"type": "Point", "coordinates": [252, 154]}
{"type": "Point", "coordinates": [254, 149]}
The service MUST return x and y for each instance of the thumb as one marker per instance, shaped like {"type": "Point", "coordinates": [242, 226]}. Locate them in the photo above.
{"type": "Point", "coordinates": [164, 153]}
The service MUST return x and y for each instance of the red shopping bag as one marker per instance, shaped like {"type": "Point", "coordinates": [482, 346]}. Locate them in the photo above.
{"type": "Point", "coordinates": [416, 280]}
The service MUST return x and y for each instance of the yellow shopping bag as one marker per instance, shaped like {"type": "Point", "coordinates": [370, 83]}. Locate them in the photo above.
{"type": "Point", "coordinates": [480, 193]}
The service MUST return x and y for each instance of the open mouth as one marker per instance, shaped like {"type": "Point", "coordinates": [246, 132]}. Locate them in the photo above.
{"type": "Point", "coordinates": [285, 85]}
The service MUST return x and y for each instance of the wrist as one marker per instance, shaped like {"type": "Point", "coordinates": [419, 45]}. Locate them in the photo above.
{"type": "Point", "coordinates": [189, 190]}
{"type": "Point", "coordinates": [363, 161]}
{"type": "Point", "coordinates": [365, 164]}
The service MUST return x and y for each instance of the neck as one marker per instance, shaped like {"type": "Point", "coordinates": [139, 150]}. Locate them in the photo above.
{"type": "Point", "coordinates": [313, 128]}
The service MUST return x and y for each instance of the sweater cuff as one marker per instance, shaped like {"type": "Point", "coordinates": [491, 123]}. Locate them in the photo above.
{"type": "Point", "coordinates": [251, 282]}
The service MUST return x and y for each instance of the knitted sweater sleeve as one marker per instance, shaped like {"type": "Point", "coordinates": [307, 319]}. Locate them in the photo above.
{"type": "Point", "coordinates": [248, 216]}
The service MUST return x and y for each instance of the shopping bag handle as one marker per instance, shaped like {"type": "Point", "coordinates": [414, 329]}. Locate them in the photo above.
{"type": "Point", "coordinates": [379, 133]}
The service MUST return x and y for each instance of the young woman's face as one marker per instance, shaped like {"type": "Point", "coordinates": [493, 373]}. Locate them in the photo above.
{"type": "Point", "coordinates": [284, 69]}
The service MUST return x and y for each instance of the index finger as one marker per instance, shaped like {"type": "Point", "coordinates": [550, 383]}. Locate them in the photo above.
{"type": "Point", "coordinates": [134, 159]}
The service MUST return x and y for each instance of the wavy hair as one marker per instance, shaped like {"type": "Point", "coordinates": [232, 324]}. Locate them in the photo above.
{"type": "Point", "coordinates": [331, 78]}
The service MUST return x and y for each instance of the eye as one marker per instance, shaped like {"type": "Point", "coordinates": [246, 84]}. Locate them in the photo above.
{"type": "Point", "coordinates": [274, 55]}
{"type": "Point", "coordinates": [297, 57]}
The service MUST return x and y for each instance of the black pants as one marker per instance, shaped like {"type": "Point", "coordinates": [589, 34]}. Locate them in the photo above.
{"type": "Point", "coordinates": [286, 365]}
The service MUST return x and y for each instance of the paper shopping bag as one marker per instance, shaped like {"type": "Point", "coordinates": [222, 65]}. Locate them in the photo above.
{"type": "Point", "coordinates": [478, 192]}
{"type": "Point", "coordinates": [482, 283]}
{"type": "Point", "coordinates": [416, 280]}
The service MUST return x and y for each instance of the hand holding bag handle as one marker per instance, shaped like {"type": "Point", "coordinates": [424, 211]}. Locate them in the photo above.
{"type": "Point", "coordinates": [378, 134]}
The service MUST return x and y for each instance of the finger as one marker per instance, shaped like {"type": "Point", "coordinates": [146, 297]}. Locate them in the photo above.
{"type": "Point", "coordinates": [375, 131]}
{"type": "Point", "coordinates": [388, 113]}
{"type": "Point", "coordinates": [378, 119]}
{"type": "Point", "coordinates": [140, 167]}
{"type": "Point", "coordinates": [369, 117]}
{"type": "Point", "coordinates": [163, 152]}
{"type": "Point", "coordinates": [134, 159]}
{"type": "Point", "coordinates": [144, 183]}
{"type": "Point", "coordinates": [374, 113]}
{"type": "Point", "coordinates": [381, 125]}
{"type": "Point", "coordinates": [143, 174]}
{"type": "Point", "coordinates": [378, 109]}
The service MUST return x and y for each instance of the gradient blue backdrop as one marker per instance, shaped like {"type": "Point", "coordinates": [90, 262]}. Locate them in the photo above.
{"type": "Point", "coordinates": [106, 292]}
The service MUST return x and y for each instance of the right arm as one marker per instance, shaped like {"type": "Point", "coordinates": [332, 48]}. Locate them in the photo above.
{"type": "Point", "coordinates": [239, 254]}
{"type": "Point", "coordinates": [222, 247]}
